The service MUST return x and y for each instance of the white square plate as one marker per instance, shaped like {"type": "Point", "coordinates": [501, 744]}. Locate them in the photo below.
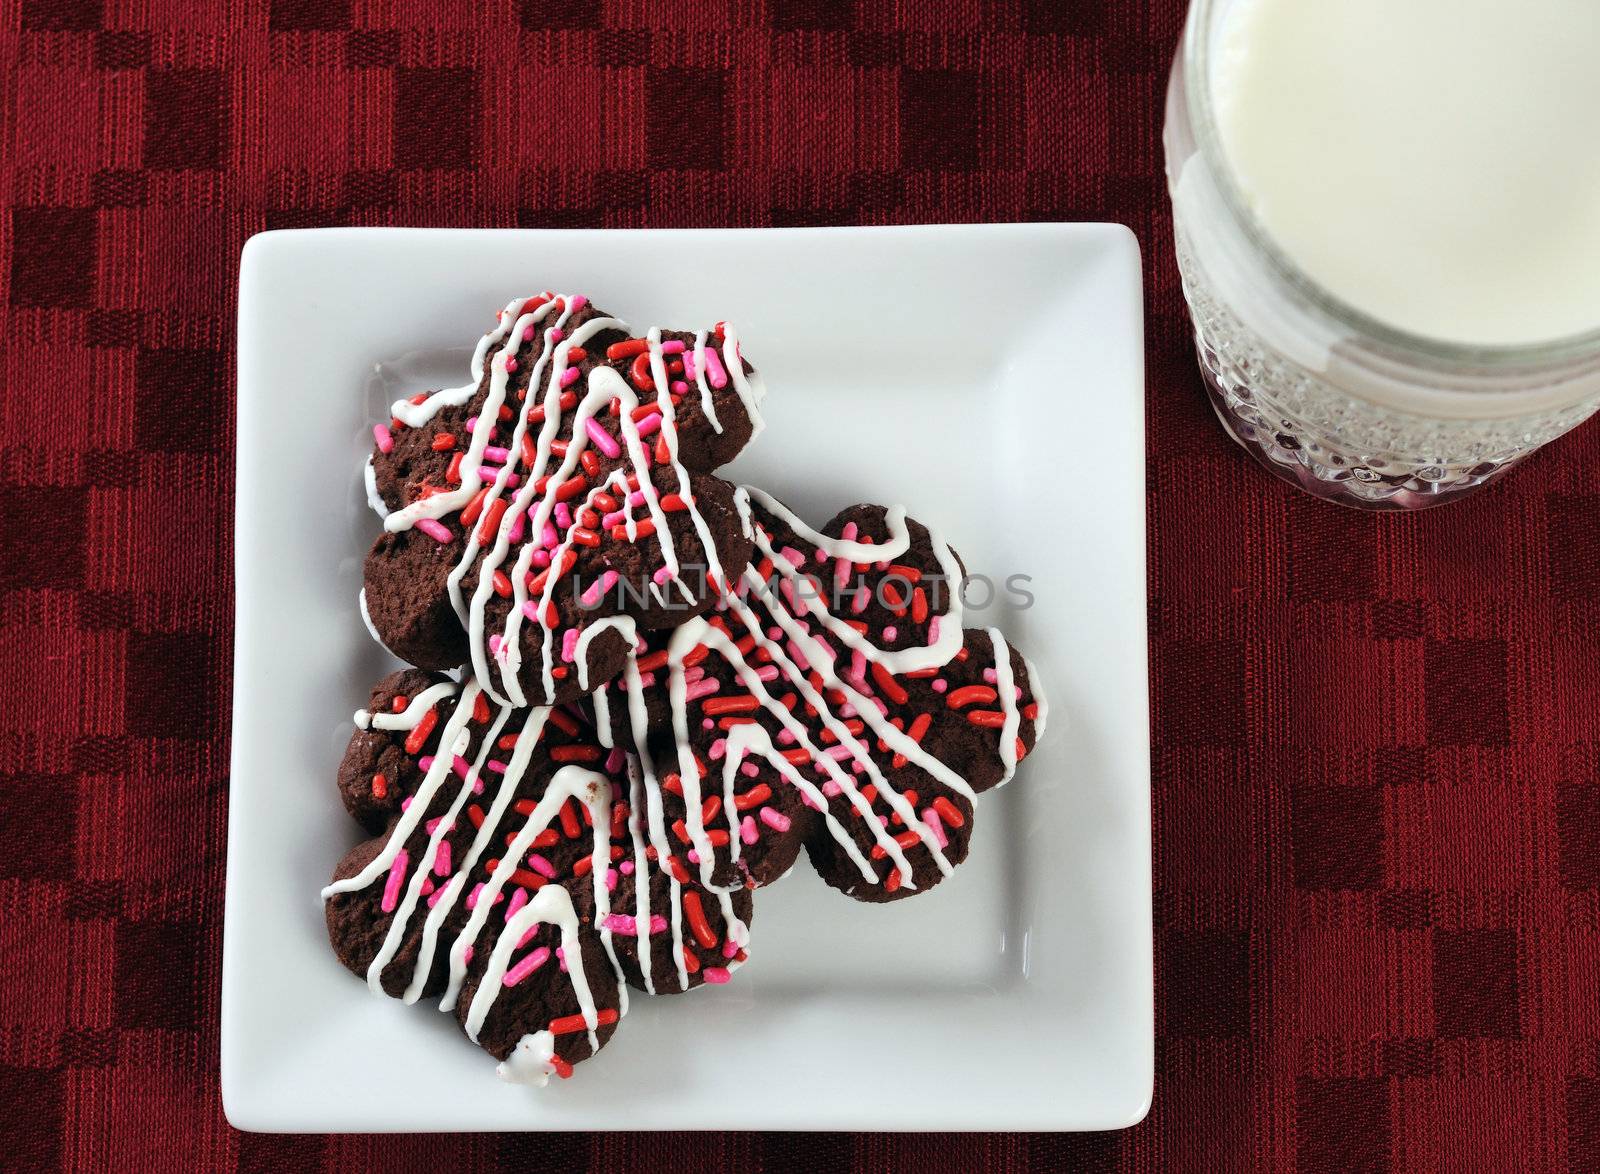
{"type": "Point", "coordinates": [989, 377]}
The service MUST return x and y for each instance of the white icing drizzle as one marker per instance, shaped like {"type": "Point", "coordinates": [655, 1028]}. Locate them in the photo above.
{"type": "Point", "coordinates": [1006, 688]}
{"type": "Point", "coordinates": [408, 718]}
{"type": "Point", "coordinates": [532, 1059]}
{"type": "Point", "coordinates": [369, 478]}
{"type": "Point", "coordinates": [763, 606]}
{"type": "Point", "coordinates": [501, 678]}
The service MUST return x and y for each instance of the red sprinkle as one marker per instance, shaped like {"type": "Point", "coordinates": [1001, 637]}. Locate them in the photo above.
{"type": "Point", "coordinates": [491, 522]}
{"type": "Point", "coordinates": [419, 736]}
{"type": "Point", "coordinates": [754, 797]}
{"type": "Point", "coordinates": [480, 708]}
{"type": "Point", "coordinates": [626, 350]}
{"type": "Point", "coordinates": [891, 688]}
{"type": "Point", "coordinates": [716, 706]}
{"type": "Point", "coordinates": [970, 695]}
{"type": "Point", "coordinates": [380, 786]}
{"type": "Point", "coordinates": [949, 812]}
{"type": "Point", "coordinates": [568, 1024]}
{"type": "Point", "coordinates": [444, 442]}
{"type": "Point", "coordinates": [576, 754]}
{"type": "Point", "coordinates": [563, 721]}
{"type": "Point", "coordinates": [990, 718]}
{"type": "Point", "coordinates": [698, 925]}
{"type": "Point", "coordinates": [502, 587]}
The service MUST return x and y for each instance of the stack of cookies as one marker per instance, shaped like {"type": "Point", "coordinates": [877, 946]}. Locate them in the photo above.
{"type": "Point", "coordinates": [640, 691]}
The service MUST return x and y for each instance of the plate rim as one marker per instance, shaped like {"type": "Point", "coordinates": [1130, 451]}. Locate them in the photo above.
{"type": "Point", "coordinates": [239, 1105]}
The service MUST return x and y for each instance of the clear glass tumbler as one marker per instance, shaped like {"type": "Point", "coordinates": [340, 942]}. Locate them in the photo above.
{"type": "Point", "coordinates": [1324, 396]}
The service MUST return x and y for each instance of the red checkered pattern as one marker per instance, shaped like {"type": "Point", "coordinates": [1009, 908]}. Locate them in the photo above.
{"type": "Point", "coordinates": [1376, 794]}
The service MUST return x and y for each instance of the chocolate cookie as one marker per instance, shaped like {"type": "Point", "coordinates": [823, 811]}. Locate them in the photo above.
{"type": "Point", "coordinates": [833, 692]}
{"type": "Point", "coordinates": [566, 487]}
{"type": "Point", "coordinates": [515, 868]}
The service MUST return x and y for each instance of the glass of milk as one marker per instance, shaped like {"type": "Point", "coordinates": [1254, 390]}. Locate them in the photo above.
{"type": "Point", "coordinates": [1387, 216]}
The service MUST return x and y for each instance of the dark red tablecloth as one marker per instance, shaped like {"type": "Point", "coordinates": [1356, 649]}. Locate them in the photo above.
{"type": "Point", "coordinates": [1377, 818]}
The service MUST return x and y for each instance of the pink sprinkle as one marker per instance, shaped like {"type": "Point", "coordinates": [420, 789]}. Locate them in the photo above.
{"type": "Point", "coordinates": [989, 676]}
{"type": "Point", "coordinates": [730, 948]}
{"type": "Point", "coordinates": [472, 897]}
{"type": "Point", "coordinates": [627, 868]}
{"type": "Point", "coordinates": [679, 387]}
{"type": "Point", "coordinates": [557, 334]}
{"type": "Point", "coordinates": [541, 866]}
{"type": "Point", "coordinates": [441, 860]}
{"type": "Point", "coordinates": [859, 603]}
{"type": "Point", "coordinates": [531, 610]}
{"type": "Point", "coordinates": [511, 363]}
{"type": "Point", "coordinates": [518, 900]}
{"type": "Point", "coordinates": [774, 819]}
{"type": "Point", "coordinates": [621, 923]}
{"type": "Point", "coordinates": [438, 893]}
{"type": "Point", "coordinates": [694, 857]}
{"type": "Point", "coordinates": [614, 518]}
{"type": "Point", "coordinates": [540, 559]}
{"type": "Point", "coordinates": [548, 537]}
{"type": "Point", "coordinates": [592, 597]}
{"type": "Point", "coordinates": [767, 673]}
{"type": "Point", "coordinates": [858, 664]}
{"type": "Point", "coordinates": [561, 958]}
{"type": "Point", "coordinates": [611, 879]}
{"type": "Point", "coordinates": [434, 529]}
{"type": "Point", "coordinates": [527, 334]}
{"type": "Point", "coordinates": [569, 376]}
{"type": "Point", "coordinates": [707, 724]}
{"type": "Point", "coordinates": [940, 684]}
{"type": "Point", "coordinates": [719, 748]}
{"type": "Point", "coordinates": [749, 770]}
{"type": "Point", "coordinates": [380, 433]}
{"type": "Point", "coordinates": [831, 789]}
{"type": "Point", "coordinates": [673, 346]}
{"type": "Point", "coordinates": [494, 645]}
{"type": "Point", "coordinates": [810, 802]}
{"type": "Point", "coordinates": [688, 364]}
{"type": "Point", "coordinates": [714, 369]}
{"type": "Point", "coordinates": [471, 424]}
{"type": "Point", "coordinates": [397, 875]}
{"type": "Point", "coordinates": [936, 825]}
{"type": "Point", "coordinates": [577, 302]}
{"type": "Point", "coordinates": [794, 557]}
{"type": "Point", "coordinates": [703, 688]}
{"type": "Point", "coordinates": [496, 454]}
{"type": "Point", "coordinates": [563, 516]}
{"type": "Point", "coordinates": [661, 576]}
{"type": "Point", "coordinates": [649, 424]}
{"type": "Point", "coordinates": [715, 974]}
{"type": "Point", "coordinates": [405, 804]}
{"type": "Point", "coordinates": [785, 737]}
{"type": "Point", "coordinates": [890, 632]}
{"type": "Point", "coordinates": [933, 630]}
{"type": "Point", "coordinates": [569, 639]}
{"type": "Point", "coordinates": [517, 523]}
{"type": "Point", "coordinates": [602, 439]}
{"type": "Point", "coordinates": [748, 832]}
{"type": "Point", "coordinates": [466, 955]}
{"type": "Point", "coordinates": [527, 966]}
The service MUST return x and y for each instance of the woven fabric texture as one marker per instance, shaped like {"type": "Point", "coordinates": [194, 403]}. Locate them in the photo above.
{"type": "Point", "coordinates": [1377, 813]}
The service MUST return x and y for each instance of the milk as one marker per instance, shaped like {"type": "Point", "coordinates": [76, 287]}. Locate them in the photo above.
{"type": "Point", "coordinates": [1434, 163]}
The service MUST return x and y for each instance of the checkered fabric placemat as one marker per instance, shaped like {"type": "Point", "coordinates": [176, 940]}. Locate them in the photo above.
{"type": "Point", "coordinates": [1377, 812]}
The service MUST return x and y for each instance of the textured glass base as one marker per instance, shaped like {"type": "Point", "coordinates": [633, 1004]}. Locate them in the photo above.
{"type": "Point", "coordinates": [1339, 446]}
{"type": "Point", "coordinates": [1292, 451]}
